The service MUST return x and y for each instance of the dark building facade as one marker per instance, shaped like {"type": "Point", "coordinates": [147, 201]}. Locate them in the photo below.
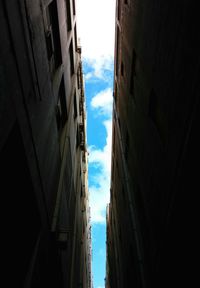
{"type": "Point", "coordinates": [152, 220]}
{"type": "Point", "coordinates": [43, 157]}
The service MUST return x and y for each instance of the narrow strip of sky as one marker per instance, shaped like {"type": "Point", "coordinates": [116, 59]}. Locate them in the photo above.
{"type": "Point", "coordinates": [95, 27]}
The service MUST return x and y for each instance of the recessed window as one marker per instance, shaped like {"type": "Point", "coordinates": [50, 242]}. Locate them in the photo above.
{"type": "Point", "coordinates": [69, 19]}
{"type": "Point", "coordinates": [75, 36]}
{"type": "Point", "coordinates": [80, 107]}
{"type": "Point", "coordinates": [53, 36]}
{"type": "Point", "coordinates": [74, 7]}
{"type": "Point", "coordinates": [118, 9]}
{"type": "Point", "coordinates": [71, 54]}
{"type": "Point", "coordinates": [61, 107]}
{"type": "Point", "coordinates": [79, 77]}
{"type": "Point", "coordinates": [77, 137]}
{"type": "Point", "coordinates": [82, 136]}
{"type": "Point", "coordinates": [49, 43]}
{"type": "Point", "coordinates": [122, 69]}
{"type": "Point", "coordinates": [115, 93]}
{"type": "Point", "coordinates": [75, 106]}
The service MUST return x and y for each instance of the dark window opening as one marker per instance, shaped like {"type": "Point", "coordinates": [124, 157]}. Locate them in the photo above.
{"type": "Point", "coordinates": [79, 77]}
{"type": "Point", "coordinates": [74, 7]}
{"type": "Point", "coordinates": [61, 108]}
{"type": "Point", "coordinates": [71, 58]}
{"type": "Point", "coordinates": [58, 115]}
{"type": "Point", "coordinates": [82, 136]}
{"type": "Point", "coordinates": [53, 36]}
{"type": "Point", "coordinates": [122, 69]}
{"type": "Point", "coordinates": [75, 106]}
{"type": "Point", "coordinates": [125, 1]}
{"type": "Point", "coordinates": [75, 36]}
{"type": "Point", "coordinates": [119, 122]}
{"type": "Point", "coordinates": [115, 93]}
{"type": "Point", "coordinates": [118, 9]}
{"type": "Point", "coordinates": [49, 43]}
{"type": "Point", "coordinates": [80, 107]}
{"type": "Point", "coordinates": [77, 137]}
{"type": "Point", "coordinates": [69, 20]}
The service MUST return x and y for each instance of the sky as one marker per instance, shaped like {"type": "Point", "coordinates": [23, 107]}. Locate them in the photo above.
{"type": "Point", "coordinates": [95, 28]}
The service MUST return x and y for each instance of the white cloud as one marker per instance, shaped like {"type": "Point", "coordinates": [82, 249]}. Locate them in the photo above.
{"type": "Point", "coordinates": [100, 66]}
{"type": "Point", "coordinates": [100, 191]}
{"type": "Point", "coordinates": [96, 27]}
{"type": "Point", "coordinates": [103, 101]}
{"type": "Point", "coordinates": [88, 76]}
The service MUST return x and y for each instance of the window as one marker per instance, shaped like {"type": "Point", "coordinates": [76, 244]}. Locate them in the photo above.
{"type": "Point", "coordinates": [69, 20]}
{"type": "Point", "coordinates": [118, 9]}
{"type": "Point", "coordinates": [49, 44]}
{"type": "Point", "coordinates": [71, 55]}
{"type": "Point", "coordinates": [123, 194]}
{"type": "Point", "coordinates": [75, 36]}
{"type": "Point", "coordinates": [75, 106]}
{"type": "Point", "coordinates": [74, 7]}
{"type": "Point", "coordinates": [119, 122]}
{"type": "Point", "coordinates": [61, 107]}
{"type": "Point", "coordinates": [82, 136]}
{"type": "Point", "coordinates": [122, 69]}
{"type": "Point", "coordinates": [81, 107]}
{"type": "Point", "coordinates": [79, 76]}
{"type": "Point", "coordinates": [53, 36]}
{"type": "Point", "coordinates": [115, 93]}
{"type": "Point", "coordinates": [77, 137]}
{"type": "Point", "coordinates": [125, 1]}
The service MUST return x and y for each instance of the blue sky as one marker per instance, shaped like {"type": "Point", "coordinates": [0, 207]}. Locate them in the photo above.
{"type": "Point", "coordinates": [95, 27]}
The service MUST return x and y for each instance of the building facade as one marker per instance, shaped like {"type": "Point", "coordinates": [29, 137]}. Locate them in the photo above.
{"type": "Point", "coordinates": [43, 153]}
{"type": "Point", "coordinates": [153, 213]}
